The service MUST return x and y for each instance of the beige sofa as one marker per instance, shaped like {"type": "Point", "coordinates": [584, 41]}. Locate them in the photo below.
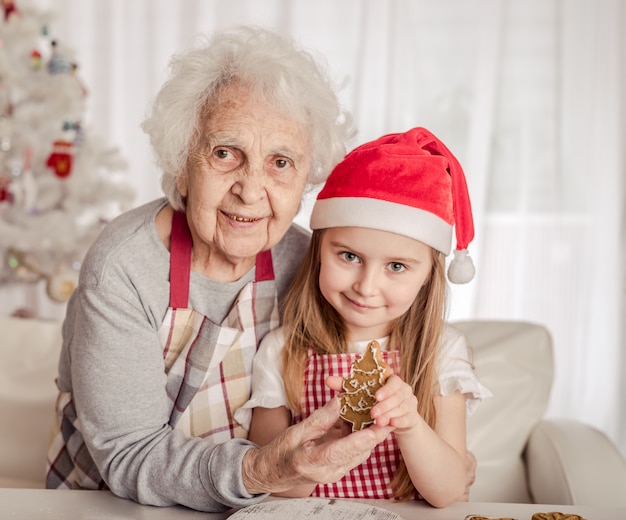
{"type": "Point", "coordinates": [521, 456]}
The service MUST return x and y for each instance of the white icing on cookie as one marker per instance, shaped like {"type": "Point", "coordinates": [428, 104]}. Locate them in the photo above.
{"type": "Point", "coordinates": [367, 375]}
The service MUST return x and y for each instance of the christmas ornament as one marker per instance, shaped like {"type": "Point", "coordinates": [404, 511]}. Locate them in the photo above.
{"type": "Point", "coordinates": [60, 160]}
{"type": "Point", "coordinates": [59, 64]}
{"type": "Point", "coordinates": [9, 9]}
{"type": "Point", "coordinates": [5, 189]}
{"type": "Point", "coordinates": [35, 59]}
{"type": "Point", "coordinates": [61, 285]}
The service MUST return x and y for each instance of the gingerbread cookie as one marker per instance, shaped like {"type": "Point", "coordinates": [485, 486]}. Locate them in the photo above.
{"type": "Point", "coordinates": [367, 375]}
{"type": "Point", "coordinates": [556, 516]}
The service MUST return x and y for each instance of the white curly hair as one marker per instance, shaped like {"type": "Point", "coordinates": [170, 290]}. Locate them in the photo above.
{"type": "Point", "coordinates": [273, 67]}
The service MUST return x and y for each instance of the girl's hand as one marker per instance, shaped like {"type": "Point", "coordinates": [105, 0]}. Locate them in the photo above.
{"type": "Point", "coordinates": [396, 406]}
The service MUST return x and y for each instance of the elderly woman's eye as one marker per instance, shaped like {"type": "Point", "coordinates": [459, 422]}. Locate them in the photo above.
{"type": "Point", "coordinates": [282, 164]}
{"type": "Point", "coordinates": [222, 153]}
{"type": "Point", "coordinates": [225, 159]}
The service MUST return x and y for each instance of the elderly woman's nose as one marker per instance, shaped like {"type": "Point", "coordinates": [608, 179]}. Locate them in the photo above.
{"type": "Point", "coordinates": [250, 186]}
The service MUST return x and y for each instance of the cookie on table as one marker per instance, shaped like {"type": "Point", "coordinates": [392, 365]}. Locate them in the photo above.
{"type": "Point", "coordinates": [537, 516]}
{"type": "Point", "coordinates": [367, 375]}
{"type": "Point", "coordinates": [555, 515]}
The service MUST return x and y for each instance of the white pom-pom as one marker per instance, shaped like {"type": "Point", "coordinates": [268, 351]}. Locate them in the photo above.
{"type": "Point", "coordinates": [461, 268]}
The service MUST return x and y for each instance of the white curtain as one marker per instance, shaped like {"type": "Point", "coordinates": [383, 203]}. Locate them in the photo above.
{"type": "Point", "coordinates": [527, 93]}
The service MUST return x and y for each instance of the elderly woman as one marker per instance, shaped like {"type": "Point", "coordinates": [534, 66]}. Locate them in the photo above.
{"type": "Point", "coordinates": [175, 295]}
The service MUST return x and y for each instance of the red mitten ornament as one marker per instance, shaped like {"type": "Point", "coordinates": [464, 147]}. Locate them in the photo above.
{"type": "Point", "coordinates": [5, 189]}
{"type": "Point", "coordinates": [9, 9]}
{"type": "Point", "coordinates": [60, 159]}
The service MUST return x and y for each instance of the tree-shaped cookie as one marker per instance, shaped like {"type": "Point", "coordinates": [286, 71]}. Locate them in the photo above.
{"type": "Point", "coordinates": [368, 374]}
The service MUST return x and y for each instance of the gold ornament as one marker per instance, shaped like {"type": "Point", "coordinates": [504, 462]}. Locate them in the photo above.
{"type": "Point", "coordinates": [61, 285]}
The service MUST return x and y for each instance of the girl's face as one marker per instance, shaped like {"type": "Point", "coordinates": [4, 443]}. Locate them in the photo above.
{"type": "Point", "coordinates": [371, 277]}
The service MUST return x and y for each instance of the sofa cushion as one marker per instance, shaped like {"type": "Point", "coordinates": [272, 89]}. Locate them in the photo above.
{"type": "Point", "coordinates": [513, 360]}
{"type": "Point", "coordinates": [570, 462]}
{"type": "Point", "coordinates": [30, 352]}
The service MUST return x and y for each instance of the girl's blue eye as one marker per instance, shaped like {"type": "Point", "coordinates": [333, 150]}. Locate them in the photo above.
{"type": "Point", "coordinates": [349, 257]}
{"type": "Point", "coordinates": [397, 267]}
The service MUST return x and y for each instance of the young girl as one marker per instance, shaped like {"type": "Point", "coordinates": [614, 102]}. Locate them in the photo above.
{"type": "Point", "coordinates": [375, 269]}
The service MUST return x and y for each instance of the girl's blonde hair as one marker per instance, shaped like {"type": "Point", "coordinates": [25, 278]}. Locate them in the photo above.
{"type": "Point", "coordinates": [310, 321]}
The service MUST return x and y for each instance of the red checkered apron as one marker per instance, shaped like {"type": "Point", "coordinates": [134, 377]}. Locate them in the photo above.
{"type": "Point", "coordinates": [208, 365]}
{"type": "Point", "coordinates": [372, 478]}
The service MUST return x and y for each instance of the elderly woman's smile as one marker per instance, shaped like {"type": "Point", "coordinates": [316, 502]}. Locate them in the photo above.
{"type": "Point", "coordinates": [237, 218]}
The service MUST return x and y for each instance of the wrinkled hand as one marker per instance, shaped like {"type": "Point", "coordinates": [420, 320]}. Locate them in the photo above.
{"type": "Point", "coordinates": [298, 456]}
{"type": "Point", "coordinates": [340, 429]}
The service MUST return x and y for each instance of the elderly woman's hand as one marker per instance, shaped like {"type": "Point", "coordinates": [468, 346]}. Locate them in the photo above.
{"type": "Point", "coordinates": [296, 457]}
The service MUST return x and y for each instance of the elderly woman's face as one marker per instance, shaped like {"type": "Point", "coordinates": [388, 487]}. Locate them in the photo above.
{"type": "Point", "coordinates": [245, 179]}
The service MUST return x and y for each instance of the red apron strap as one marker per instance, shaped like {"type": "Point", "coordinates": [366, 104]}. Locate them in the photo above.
{"type": "Point", "coordinates": [264, 267]}
{"type": "Point", "coordinates": [180, 261]}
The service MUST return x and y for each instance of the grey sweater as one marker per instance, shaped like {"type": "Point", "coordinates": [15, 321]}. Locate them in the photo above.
{"type": "Point", "coordinates": [112, 363]}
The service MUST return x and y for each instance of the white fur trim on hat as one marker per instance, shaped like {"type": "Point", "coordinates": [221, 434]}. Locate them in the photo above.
{"type": "Point", "coordinates": [385, 216]}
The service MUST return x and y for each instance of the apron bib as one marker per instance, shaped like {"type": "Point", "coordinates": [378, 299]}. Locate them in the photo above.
{"type": "Point", "coordinates": [208, 366]}
{"type": "Point", "coordinates": [372, 478]}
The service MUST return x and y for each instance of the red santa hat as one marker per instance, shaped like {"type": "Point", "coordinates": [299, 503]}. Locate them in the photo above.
{"type": "Point", "coordinates": [409, 184]}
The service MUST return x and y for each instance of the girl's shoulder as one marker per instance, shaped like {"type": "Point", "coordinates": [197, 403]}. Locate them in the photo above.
{"type": "Point", "coordinates": [451, 333]}
{"type": "Point", "coordinates": [453, 344]}
{"type": "Point", "coordinates": [273, 342]}
{"type": "Point", "coordinates": [456, 369]}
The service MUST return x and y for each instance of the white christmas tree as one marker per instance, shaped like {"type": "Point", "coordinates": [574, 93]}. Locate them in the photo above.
{"type": "Point", "coordinates": [59, 184]}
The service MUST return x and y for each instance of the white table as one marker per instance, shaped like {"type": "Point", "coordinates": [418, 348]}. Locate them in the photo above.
{"type": "Point", "coordinates": [41, 504]}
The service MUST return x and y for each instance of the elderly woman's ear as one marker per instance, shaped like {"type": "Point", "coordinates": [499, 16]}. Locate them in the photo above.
{"type": "Point", "coordinates": [182, 185]}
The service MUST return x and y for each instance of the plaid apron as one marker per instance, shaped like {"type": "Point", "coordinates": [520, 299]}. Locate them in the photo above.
{"type": "Point", "coordinates": [208, 366]}
{"type": "Point", "coordinates": [372, 478]}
